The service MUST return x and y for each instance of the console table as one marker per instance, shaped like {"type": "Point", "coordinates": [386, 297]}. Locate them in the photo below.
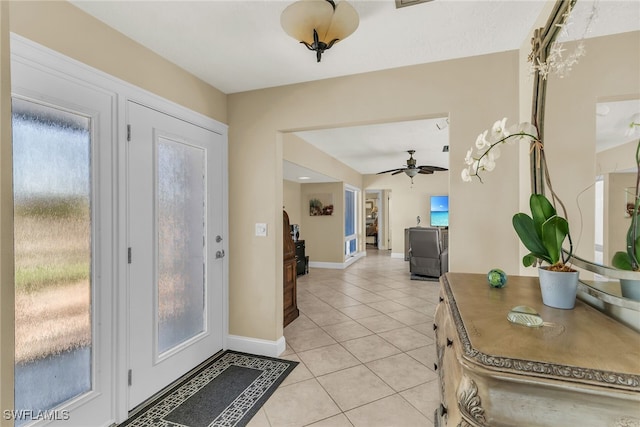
{"type": "Point", "coordinates": [581, 368]}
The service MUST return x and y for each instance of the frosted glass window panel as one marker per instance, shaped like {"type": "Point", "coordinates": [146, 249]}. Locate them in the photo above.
{"type": "Point", "coordinates": [53, 258]}
{"type": "Point", "coordinates": [181, 204]}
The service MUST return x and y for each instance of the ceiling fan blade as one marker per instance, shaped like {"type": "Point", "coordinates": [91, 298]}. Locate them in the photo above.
{"type": "Point", "coordinates": [397, 172]}
{"type": "Point", "coordinates": [391, 170]}
{"type": "Point", "coordinates": [426, 171]}
{"type": "Point", "coordinates": [433, 168]}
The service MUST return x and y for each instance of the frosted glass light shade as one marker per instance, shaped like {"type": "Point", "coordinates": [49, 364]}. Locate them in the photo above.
{"type": "Point", "coordinates": [412, 172]}
{"type": "Point", "coordinates": [345, 21]}
{"type": "Point", "coordinates": [318, 24]}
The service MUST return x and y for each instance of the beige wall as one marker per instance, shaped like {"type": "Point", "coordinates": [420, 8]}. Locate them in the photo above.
{"type": "Point", "coordinates": [292, 200]}
{"type": "Point", "coordinates": [300, 152]}
{"type": "Point", "coordinates": [6, 223]}
{"type": "Point", "coordinates": [323, 235]}
{"type": "Point", "coordinates": [617, 159]}
{"type": "Point", "coordinates": [609, 71]}
{"type": "Point", "coordinates": [386, 234]}
{"type": "Point", "coordinates": [408, 201]}
{"type": "Point", "coordinates": [473, 92]}
{"type": "Point", "coordinates": [92, 42]}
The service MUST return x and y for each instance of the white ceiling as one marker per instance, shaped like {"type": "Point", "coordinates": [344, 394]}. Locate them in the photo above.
{"type": "Point", "coordinates": [612, 123]}
{"type": "Point", "coordinates": [386, 145]}
{"type": "Point", "coordinates": [238, 45]}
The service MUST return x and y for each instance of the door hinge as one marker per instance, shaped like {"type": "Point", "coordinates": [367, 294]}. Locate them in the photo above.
{"type": "Point", "coordinates": [129, 375]}
{"type": "Point", "coordinates": [128, 132]}
{"type": "Point", "coordinates": [129, 255]}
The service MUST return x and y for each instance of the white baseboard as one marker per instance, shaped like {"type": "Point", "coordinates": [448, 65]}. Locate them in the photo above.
{"type": "Point", "coordinates": [256, 345]}
{"type": "Point", "coordinates": [338, 265]}
{"type": "Point", "coordinates": [397, 255]}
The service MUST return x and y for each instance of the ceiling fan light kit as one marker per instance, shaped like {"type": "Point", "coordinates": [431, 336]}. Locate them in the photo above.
{"type": "Point", "coordinates": [412, 170]}
{"type": "Point", "coordinates": [319, 24]}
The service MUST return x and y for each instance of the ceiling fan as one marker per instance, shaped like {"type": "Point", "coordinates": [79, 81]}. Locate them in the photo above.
{"type": "Point", "coordinates": [412, 170]}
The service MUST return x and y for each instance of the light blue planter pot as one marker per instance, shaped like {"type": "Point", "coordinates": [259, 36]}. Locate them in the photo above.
{"type": "Point", "coordinates": [558, 288]}
{"type": "Point", "coordinates": [630, 289]}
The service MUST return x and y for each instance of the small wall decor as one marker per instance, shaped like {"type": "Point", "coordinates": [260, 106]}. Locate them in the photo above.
{"type": "Point", "coordinates": [321, 204]}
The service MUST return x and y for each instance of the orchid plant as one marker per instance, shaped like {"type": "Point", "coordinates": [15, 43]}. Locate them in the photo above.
{"type": "Point", "coordinates": [630, 260]}
{"type": "Point", "coordinates": [488, 146]}
{"type": "Point", "coordinates": [544, 232]}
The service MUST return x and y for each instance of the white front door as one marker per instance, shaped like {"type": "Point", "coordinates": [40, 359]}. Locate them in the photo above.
{"type": "Point", "coordinates": [63, 162]}
{"type": "Point", "coordinates": [175, 221]}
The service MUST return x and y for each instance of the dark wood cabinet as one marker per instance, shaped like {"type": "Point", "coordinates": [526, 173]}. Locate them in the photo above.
{"type": "Point", "coordinates": [289, 305]}
{"type": "Point", "coordinates": [301, 259]}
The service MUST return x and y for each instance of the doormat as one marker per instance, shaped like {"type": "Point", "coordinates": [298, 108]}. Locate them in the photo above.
{"type": "Point", "coordinates": [227, 391]}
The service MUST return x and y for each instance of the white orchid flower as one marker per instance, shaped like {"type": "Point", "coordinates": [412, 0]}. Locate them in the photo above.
{"type": "Point", "coordinates": [468, 159]}
{"type": "Point", "coordinates": [487, 164]}
{"type": "Point", "coordinates": [473, 168]}
{"type": "Point", "coordinates": [466, 176]}
{"type": "Point", "coordinates": [499, 130]}
{"type": "Point", "coordinates": [488, 145]}
{"type": "Point", "coordinates": [494, 153]}
{"type": "Point", "coordinates": [520, 132]}
{"type": "Point", "coordinates": [481, 141]}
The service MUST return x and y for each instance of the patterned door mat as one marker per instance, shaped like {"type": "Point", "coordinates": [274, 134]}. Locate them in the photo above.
{"type": "Point", "coordinates": [227, 391]}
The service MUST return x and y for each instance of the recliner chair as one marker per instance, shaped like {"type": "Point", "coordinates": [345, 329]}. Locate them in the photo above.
{"type": "Point", "coordinates": [427, 254]}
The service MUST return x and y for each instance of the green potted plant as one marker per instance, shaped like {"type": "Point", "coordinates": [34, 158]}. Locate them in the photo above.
{"type": "Point", "coordinates": [628, 260]}
{"type": "Point", "coordinates": [544, 232]}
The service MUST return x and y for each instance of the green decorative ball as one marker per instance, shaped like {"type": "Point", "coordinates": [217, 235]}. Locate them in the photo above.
{"type": "Point", "coordinates": [497, 278]}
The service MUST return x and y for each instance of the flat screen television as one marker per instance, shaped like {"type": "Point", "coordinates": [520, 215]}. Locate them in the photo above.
{"type": "Point", "coordinates": [439, 211]}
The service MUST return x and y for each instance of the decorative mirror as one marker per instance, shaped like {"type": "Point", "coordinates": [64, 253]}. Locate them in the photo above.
{"type": "Point", "coordinates": [605, 285]}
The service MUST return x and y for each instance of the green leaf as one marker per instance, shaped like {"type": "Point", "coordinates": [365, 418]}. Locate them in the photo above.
{"type": "Point", "coordinates": [541, 210]}
{"type": "Point", "coordinates": [621, 261]}
{"type": "Point", "coordinates": [529, 260]}
{"type": "Point", "coordinates": [525, 228]}
{"type": "Point", "coordinates": [554, 231]}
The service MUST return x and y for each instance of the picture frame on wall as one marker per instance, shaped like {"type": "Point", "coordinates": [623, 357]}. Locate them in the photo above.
{"type": "Point", "coordinates": [321, 204]}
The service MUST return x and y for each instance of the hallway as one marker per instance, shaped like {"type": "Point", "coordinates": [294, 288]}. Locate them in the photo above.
{"type": "Point", "coordinates": [365, 343]}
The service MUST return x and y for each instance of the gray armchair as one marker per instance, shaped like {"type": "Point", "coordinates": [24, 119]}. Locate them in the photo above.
{"type": "Point", "coordinates": [428, 252]}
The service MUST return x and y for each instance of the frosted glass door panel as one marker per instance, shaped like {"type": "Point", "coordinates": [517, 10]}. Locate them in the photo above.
{"type": "Point", "coordinates": [181, 197]}
{"type": "Point", "coordinates": [53, 256]}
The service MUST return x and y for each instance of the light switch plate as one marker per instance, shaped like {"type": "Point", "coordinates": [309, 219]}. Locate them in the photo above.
{"type": "Point", "coordinates": [261, 229]}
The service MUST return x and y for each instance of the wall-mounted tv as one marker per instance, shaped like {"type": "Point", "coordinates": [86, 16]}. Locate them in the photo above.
{"type": "Point", "coordinates": [439, 211]}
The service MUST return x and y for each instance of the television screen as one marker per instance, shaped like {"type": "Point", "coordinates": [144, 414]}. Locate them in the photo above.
{"type": "Point", "coordinates": [439, 211]}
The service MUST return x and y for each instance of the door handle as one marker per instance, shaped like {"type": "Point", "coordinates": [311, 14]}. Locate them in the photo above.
{"type": "Point", "coordinates": [220, 254]}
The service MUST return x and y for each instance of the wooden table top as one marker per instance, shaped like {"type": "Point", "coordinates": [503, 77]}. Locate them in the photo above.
{"type": "Point", "coordinates": [581, 344]}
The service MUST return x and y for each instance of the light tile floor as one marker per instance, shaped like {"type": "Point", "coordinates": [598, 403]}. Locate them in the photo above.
{"type": "Point", "coordinates": [365, 343]}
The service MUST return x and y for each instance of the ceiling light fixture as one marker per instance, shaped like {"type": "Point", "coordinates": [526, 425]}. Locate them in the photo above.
{"type": "Point", "coordinates": [412, 170]}
{"type": "Point", "coordinates": [319, 24]}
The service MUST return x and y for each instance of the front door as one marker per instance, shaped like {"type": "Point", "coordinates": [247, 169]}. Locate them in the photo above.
{"type": "Point", "coordinates": [175, 213]}
{"type": "Point", "coordinates": [64, 267]}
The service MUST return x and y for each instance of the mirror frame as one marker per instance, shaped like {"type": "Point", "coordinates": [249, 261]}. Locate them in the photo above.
{"type": "Point", "coordinates": [541, 43]}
